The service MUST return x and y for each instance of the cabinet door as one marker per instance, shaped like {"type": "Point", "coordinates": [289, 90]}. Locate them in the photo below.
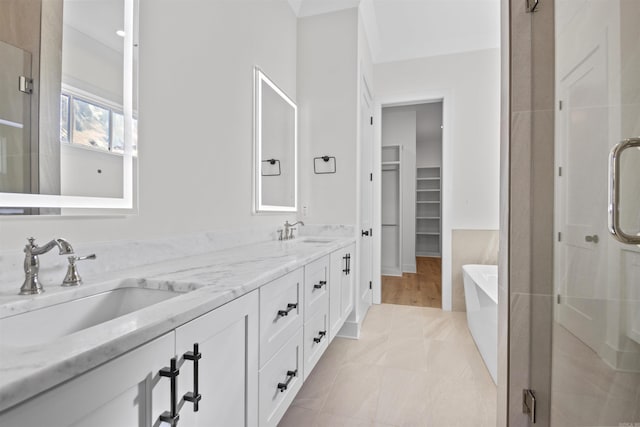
{"type": "Point", "coordinates": [126, 391]}
{"type": "Point", "coordinates": [316, 292]}
{"type": "Point", "coordinates": [347, 288]}
{"type": "Point", "coordinates": [227, 338]}
{"type": "Point", "coordinates": [341, 288]}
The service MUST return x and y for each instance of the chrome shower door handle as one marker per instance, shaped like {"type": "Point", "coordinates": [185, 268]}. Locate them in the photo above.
{"type": "Point", "coordinates": [614, 192]}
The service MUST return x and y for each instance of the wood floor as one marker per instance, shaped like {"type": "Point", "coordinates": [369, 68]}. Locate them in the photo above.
{"type": "Point", "coordinates": [423, 289]}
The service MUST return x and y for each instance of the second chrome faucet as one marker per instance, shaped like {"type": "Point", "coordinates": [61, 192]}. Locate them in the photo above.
{"type": "Point", "coordinates": [288, 230]}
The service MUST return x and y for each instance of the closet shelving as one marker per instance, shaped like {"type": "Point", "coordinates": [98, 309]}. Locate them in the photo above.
{"type": "Point", "coordinates": [428, 211]}
{"type": "Point", "coordinates": [391, 210]}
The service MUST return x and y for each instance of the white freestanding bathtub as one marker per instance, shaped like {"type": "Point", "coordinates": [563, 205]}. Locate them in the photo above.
{"type": "Point", "coordinates": [481, 295]}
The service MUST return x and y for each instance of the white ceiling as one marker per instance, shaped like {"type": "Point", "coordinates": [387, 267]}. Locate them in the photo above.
{"type": "Point", "coordinates": [407, 29]}
{"type": "Point", "coordinates": [98, 19]}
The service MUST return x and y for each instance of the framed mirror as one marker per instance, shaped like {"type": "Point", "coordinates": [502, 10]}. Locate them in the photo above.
{"type": "Point", "coordinates": [68, 130]}
{"type": "Point", "coordinates": [275, 147]}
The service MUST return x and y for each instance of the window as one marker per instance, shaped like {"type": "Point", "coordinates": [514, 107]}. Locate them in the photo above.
{"type": "Point", "coordinates": [95, 124]}
{"type": "Point", "coordinates": [64, 118]}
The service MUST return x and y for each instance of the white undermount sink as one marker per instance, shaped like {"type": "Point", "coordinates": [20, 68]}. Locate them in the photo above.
{"type": "Point", "coordinates": [55, 321]}
{"type": "Point", "coordinates": [316, 240]}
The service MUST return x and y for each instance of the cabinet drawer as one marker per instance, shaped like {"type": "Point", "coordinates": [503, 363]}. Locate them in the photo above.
{"type": "Point", "coordinates": [278, 385]}
{"type": "Point", "coordinates": [281, 307]}
{"type": "Point", "coordinates": [316, 340]}
{"type": "Point", "coordinates": [316, 287]}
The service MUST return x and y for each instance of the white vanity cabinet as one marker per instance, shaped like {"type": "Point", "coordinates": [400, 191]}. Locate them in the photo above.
{"type": "Point", "coordinates": [227, 377]}
{"type": "Point", "coordinates": [282, 308]}
{"type": "Point", "coordinates": [316, 315]}
{"type": "Point", "coordinates": [129, 390]}
{"type": "Point", "coordinates": [126, 391]}
{"type": "Point", "coordinates": [341, 291]}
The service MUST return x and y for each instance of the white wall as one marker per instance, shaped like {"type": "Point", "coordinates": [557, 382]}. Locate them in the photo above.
{"type": "Point", "coordinates": [195, 129]}
{"type": "Point", "coordinates": [429, 135]}
{"type": "Point", "coordinates": [327, 102]}
{"type": "Point", "coordinates": [399, 127]}
{"type": "Point", "coordinates": [469, 84]}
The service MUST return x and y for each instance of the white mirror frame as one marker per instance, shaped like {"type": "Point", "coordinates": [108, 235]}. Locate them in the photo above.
{"type": "Point", "coordinates": [20, 200]}
{"type": "Point", "coordinates": [259, 207]}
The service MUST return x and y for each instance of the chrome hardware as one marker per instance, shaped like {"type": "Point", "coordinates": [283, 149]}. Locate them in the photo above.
{"type": "Point", "coordinates": [288, 230]}
{"type": "Point", "coordinates": [291, 375]}
{"type": "Point", "coordinates": [321, 335]}
{"type": "Point", "coordinates": [320, 284]}
{"type": "Point", "coordinates": [614, 192]}
{"type": "Point", "coordinates": [291, 306]}
{"type": "Point", "coordinates": [592, 239]}
{"type": "Point", "coordinates": [171, 372]}
{"type": "Point", "coordinates": [25, 85]}
{"type": "Point", "coordinates": [529, 404]}
{"type": "Point", "coordinates": [532, 6]}
{"type": "Point", "coordinates": [31, 285]}
{"type": "Point", "coordinates": [193, 396]}
{"type": "Point", "coordinates": [72, 278]}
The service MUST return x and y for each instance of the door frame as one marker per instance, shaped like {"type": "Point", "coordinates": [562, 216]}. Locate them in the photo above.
{"type": "Point", "coordinates": [414, 98]}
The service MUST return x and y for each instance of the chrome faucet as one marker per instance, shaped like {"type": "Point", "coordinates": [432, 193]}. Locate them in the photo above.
{"type": "Point", "coordinates": [32, 285]}
{"type": "Point", "coordinates": [288, 230]}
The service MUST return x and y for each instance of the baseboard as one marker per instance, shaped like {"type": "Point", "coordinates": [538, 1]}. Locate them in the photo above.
{"type": "Point", "coordinates": [391, 272]}
{"type": "Point", "coordinates": [349, 330]}
{"type": "Point", "coordinates": [409, 268]}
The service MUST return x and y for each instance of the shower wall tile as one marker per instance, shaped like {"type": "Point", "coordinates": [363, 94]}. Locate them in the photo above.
{"type": "Point", "coordinates": [470, 247]}
{"type": "Point", "coordinates": [520, 56]}
{"type": "Point", "coordinates": [542, 197]}
{"type": "Point", "coordinates": [50, 87]}
{"type": "Point", "coordinates": [525, 324]}
{"type": "Point", "coordinates": [520, 202]}
{"type": "Point", "coordinates": [542, 53]}
{"type": "Point", "coordinates": [519, 333]}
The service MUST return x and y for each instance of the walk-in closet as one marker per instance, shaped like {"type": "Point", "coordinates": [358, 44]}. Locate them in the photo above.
{"type": "Point", "coordinates": [411, 200]}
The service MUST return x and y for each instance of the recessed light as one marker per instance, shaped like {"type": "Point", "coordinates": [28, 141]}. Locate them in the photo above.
{"type": "Point", "coordinates": [120, 33]}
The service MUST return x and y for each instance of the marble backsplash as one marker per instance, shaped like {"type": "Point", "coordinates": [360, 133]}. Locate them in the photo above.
{"type": "Point", "coordinates": [125, 254]}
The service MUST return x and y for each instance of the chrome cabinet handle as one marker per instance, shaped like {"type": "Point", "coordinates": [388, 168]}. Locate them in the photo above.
{"type": "Point", "coordinates": [614, 192]}
{"type": "Point", "coordinates": [592, 239]}
{"type": "Point", "coordinates": [171, 372]}
{"type": "Point", "coordinates": [291, 375]}
{"type": "Point", "coordinates": [194, 396]}
{"type": "Point", "coordinates": [291, 306]}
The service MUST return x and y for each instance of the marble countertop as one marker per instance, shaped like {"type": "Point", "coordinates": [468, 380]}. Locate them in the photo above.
{"type": "Point", "coordinates": [208, 281]}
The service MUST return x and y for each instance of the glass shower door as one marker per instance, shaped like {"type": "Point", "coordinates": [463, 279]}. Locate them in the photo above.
{"type": "Point", "coordinates": [596, 328]}
{"type": "Point", "coordinates": [15, 124]}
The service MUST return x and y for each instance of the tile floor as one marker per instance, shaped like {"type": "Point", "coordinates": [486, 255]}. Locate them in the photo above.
{"type": "Point", "coordinates": [413, 366]}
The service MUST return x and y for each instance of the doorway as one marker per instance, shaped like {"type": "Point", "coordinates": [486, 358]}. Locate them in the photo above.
{"type": "Point", "coordinates": [411, 204]}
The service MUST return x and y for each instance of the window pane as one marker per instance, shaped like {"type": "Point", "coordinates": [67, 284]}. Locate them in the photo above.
{"type": "Point", "coordinates": [64, 118]}
{"type": "Point", "coordinates": [117, 145]}
{"type": "Point", "coordinates": [91, 125]}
